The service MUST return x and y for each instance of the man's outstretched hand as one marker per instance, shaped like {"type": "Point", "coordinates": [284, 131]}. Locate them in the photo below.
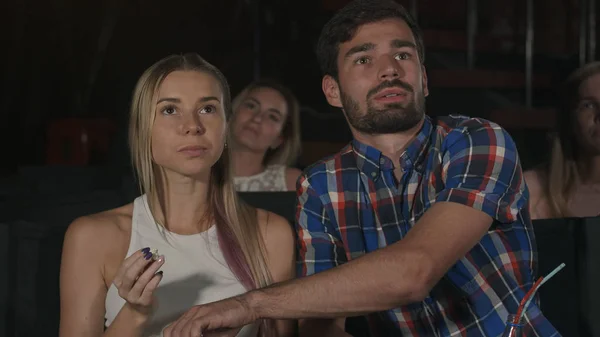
{"type": "Point", "coordinates": [218, 319]}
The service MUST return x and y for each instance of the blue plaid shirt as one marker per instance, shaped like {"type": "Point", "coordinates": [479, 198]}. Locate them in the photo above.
{"type": "Point", "coordinates": [350, 204]}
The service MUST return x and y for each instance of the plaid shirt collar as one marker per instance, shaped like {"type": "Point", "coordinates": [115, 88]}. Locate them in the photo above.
{"type": "Point", "coordinates": [371, 161]}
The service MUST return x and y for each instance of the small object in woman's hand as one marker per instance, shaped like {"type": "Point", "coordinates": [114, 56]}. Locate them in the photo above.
{"type": "Point", "coordinates": [155, 255]}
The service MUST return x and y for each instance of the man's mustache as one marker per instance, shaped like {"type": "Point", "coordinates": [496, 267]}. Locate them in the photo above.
{"type": "Point", "coordinates": [390, 84]}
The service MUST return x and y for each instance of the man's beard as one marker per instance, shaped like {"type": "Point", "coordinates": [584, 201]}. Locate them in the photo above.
{"type": "Point", "coordinates": [393, 118]}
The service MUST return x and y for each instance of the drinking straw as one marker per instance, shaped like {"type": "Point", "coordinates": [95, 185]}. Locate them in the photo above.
{"type": "Point", "coordinates": [530, 294]}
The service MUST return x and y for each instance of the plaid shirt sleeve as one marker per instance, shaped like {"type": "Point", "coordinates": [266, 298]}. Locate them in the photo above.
{"type": "Point", "coordinates": [481, 169]}
{"type": "Point", "coordinates": [319, 247]}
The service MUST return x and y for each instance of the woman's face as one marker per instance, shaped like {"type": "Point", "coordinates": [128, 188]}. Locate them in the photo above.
{"type": "Point", "coordinates": [189, 129]}
{"type": "Point", "coordinates": [587, 127]}
{"type": "Point", "coordinates": [259, 120]}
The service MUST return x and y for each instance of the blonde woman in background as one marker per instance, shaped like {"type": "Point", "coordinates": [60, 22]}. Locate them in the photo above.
{"type": "Point", "coordinates": [569, 184]}
{"type": "Point", "coordinates": [265, 133]}
{"type": "Point", "coordinates": [207, 244]}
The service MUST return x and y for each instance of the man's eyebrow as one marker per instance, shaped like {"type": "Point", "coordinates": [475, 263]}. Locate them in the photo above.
{"type": "Point", "coordinates": [359, 49]}
{"type": "Point", "coordinates": [397, 43]}
{"type": "Point", "coordinates": [253, 100]}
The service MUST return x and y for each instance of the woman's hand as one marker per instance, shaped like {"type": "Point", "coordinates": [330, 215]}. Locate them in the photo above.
{"type": "Point", "coordinates": [137, 278]}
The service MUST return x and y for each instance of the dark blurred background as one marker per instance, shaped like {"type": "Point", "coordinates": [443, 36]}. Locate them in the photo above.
{"type": "Point", "coordinates": [69, 67]}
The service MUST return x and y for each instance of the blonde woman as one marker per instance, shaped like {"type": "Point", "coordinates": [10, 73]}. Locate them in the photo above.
{"type": "Point", "coordinates": [569, 184]}
{"type": "Point", "coordinates": [265, 134]}
{"type": "Point", "coordinates": [188, 239]}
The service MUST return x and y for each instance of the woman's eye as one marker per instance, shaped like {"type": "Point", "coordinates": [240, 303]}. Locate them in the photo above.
{"type": "Point", "coordinates": [169, 110]}
{"type": "Point", "coordinates": [208, 109]}
{"type": "Point", "coordinates": [403, 56]}
{"type": "Point", "coordinates": [588, 105]}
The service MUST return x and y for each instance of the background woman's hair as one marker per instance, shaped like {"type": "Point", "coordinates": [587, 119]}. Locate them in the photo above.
{"type": "Point", "coordinates": [564, 170]}
{"type": "Point", "coordinates": [287, 153]}
{"type": "Point", "coordinates": [239, 235]}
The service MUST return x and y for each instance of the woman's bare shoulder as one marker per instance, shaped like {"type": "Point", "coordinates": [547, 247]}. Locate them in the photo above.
{"type": "Point", "coordinates": [279, 240]}
{"type": "Point", "coordinates": [102, 229]}
{"type": "Point", "coordinates": [273, 225]}
{"type": "Point", "coordinates": [538, 204]}
{"type": "Point", "coordinates": [535, 181]}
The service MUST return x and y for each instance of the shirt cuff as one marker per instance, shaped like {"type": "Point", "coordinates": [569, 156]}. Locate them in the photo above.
{"type": "Point", "coordinates": [491, 204]}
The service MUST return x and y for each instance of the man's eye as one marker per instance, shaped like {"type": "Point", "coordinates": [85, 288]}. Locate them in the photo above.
{"type": "Point", "coordinates": [362, 60]}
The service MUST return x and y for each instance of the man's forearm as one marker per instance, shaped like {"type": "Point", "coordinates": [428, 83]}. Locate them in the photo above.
{"type": "Point", "coordinates": [375, 282]}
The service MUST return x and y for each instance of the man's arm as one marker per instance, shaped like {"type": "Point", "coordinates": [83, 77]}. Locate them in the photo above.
{"type": "Point", "coordinates": [483, 179]}
{"type": "Point", "coordinates": [400, 274]}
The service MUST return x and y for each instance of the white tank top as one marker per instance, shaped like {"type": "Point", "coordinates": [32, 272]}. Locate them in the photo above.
{"type": "Point", "coordinates": [195, 272]}
{"type": "Point", "coordinates": [272, 179]}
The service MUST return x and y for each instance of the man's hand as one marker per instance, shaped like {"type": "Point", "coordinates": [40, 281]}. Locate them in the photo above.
{"type": "Point", "coordinates": [223, 319]}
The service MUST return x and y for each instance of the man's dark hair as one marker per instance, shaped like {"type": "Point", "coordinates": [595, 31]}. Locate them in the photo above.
{"type": "Point", "coordinates": [342, 27]}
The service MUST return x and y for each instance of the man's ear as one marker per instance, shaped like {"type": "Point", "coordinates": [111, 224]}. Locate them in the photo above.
{"type": "Point", "coordinates": [331, 89]}
{"type": "Point", "coordinates": [425, 86]}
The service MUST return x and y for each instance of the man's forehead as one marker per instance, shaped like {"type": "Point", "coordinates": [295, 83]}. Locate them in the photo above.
{"type": "Point", "coordinates": [379, 32]}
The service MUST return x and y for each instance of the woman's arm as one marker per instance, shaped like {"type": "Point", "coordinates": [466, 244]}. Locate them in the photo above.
{"type": "Point", "coordinates": [82, 288]}
{"type": "Point", "coordinates": [279, 242]}
{"type": "Point", "coordinates": [82, 282]}
{"type": "Point", "coordinates": [537, 206]}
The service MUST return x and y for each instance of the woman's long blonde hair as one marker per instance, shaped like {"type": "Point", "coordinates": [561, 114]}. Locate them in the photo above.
{"type": "Point", "coordinates": [565, 169]}
{"type": "Point", "coordinates": [236, 223]}
{"type": "Point", "coordinates": [287, 153]}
